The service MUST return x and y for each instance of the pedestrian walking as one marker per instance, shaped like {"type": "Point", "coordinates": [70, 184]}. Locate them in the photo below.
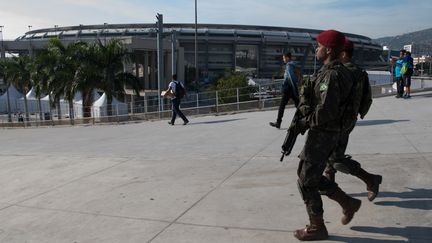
{"type": "Point", "coordinates": [176, 91]}
{"type": "Point", "coordinates": [289, 88]}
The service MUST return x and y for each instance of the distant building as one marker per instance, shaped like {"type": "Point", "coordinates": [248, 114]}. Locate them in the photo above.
{"type": "Point", "coordinates": [256, 50]}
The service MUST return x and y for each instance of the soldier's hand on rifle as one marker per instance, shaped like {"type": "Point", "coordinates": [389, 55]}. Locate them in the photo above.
{"type": "Point", "coordinates": [302, 126]}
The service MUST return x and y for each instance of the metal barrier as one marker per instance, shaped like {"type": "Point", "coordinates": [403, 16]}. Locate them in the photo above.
{"type": "Point", "coordinates": [213, 102]}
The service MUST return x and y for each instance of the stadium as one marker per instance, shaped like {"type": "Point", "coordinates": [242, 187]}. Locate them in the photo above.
{"type": "Point", "coordinates": [253, 49]}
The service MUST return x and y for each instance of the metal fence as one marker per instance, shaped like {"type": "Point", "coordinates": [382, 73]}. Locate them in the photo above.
{"type": "Point", "coordinates": [264, 96]}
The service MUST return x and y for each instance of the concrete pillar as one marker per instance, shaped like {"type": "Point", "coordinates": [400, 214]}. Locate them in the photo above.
{"type": "Point", "coordinates": [234, 56]}
{"type": "Point", "coordinates": [206, 71]}
{"type": "Point", "coordinates": [3, 52]}
{"type": "Point", "coordinates": [180, 64]}
{"type": "Point", "coordinates": [146, 70]}
{"type": "Point", "coordinates": [153, 82]}
{"type": "Point", "coordinates": [167, 71]}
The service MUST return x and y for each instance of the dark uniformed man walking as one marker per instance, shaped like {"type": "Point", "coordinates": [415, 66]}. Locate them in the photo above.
{"type": "Point", "coordinates": [289, 88]}
{"type": "Point", "coordinates": [322, 100]}
{"type": "Point", "coordinates": [360, 102]}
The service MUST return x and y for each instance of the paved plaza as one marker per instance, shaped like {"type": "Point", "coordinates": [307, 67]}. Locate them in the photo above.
{"type": "Point", "coordinates": [218, 179]}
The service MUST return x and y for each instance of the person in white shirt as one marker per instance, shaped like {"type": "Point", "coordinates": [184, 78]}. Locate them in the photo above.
{"type": "Point", "coordinates": [177, 94]}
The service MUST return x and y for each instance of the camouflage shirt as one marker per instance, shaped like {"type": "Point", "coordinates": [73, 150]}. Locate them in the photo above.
{"type": "Point", "coordinates": [324, 96]}
{"type": "Point", "coordinates": [361, 98]}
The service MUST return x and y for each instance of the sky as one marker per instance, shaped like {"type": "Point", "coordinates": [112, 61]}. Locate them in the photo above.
{"type": "Point", "coordinates": [372, 18]}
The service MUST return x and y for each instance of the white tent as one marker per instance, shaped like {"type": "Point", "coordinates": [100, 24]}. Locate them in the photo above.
{"type": "Point", "coordinates": [14, 95]}
{"type": "Point", "coordinates": [100, 107]}
{"type": "Point", "coordinates": [45, 103]}
{"type": "Point", "coordinates": [32, 102]}
{"type": "Point", "coordinates": [64, 104]}
{"type": "Point", "coordinates": [78, 102]}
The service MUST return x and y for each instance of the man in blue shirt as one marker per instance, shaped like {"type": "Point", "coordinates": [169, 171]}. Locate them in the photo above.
{"type": "Point", "coordinates": [289, 88]}
{"type": "Point", "coordinates": [398, 75]}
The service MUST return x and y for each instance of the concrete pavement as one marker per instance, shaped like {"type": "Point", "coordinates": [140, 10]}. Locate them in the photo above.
{"type": "Point", "coordinates": [218, 179]}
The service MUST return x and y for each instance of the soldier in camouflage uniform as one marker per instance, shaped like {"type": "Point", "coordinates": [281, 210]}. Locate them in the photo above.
{"type": "Point", "coordinates": [360, 102]}
{"type": "Point", "coordinates": [322, 99]}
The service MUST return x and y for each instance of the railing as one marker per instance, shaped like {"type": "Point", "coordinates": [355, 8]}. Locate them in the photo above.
{"type": "Point", "coordinates": [261, 97]}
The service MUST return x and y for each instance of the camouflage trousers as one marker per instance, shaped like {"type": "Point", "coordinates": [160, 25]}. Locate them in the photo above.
{"type": "Point", "coordinates": [318, 147]}
{"type": "Point", "coordinates": [338, 161]}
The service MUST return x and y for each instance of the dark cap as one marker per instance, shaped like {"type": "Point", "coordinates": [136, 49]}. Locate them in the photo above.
{"type": "Point", "coordinates": [331, 39]}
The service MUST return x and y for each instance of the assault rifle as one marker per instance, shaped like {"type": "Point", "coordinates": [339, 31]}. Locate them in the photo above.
{"type": "Point", "coordinates": [293, 131]}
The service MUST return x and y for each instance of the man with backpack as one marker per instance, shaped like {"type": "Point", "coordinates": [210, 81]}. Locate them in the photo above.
{"type": "Point", "coordinates": [289, 88]}
{"type": "Point", "coordinates": [177, 91]}
{"type": "Point", "coordinates": [408, 62]}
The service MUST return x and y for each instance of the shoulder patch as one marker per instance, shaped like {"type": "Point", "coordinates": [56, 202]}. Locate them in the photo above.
{"type": "Point", "coordinates": [323, 87]}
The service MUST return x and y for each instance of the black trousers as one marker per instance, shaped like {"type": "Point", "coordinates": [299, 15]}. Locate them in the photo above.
{"type": "Point", "coordinates": [400, 86]}
{"type": "Point", "coordinates": [176, 110]}
{"type": "Point", "coordinates": [286, 96]}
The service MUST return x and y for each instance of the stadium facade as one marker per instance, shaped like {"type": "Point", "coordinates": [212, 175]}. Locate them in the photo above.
{"type": "Point", "coordinates": [253, 49]}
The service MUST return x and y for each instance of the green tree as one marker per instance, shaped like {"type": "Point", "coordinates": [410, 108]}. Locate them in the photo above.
{"type": "Point", "coordinates": [4, 73]}
{"type": "Point", "coordinates": [112, 56]}
{"type": "Point", "coordinates": [41, 65]}
{"type": "Point", "coordinates": [19, 75]}
{"type": "Point", "coordinates": [228, 84]}
{"type": "Point", "coordinates": [62, 82]}
{"type": "Point", "coordinates": [89, 76]}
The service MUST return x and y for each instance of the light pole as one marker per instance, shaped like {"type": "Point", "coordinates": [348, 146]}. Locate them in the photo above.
{"type": "Point", "coordinates": [2, 50]}
{"type": "Point", "coordinates": [196, 47]}
{"type": "Point", "coordinates": [80, 31]}
{"type": "Point", "coordinates": [55, 30]}
{"type": "Point", "coordinates": [105, 29]}
{"type": "Point", "coordinates": [160, 60]}
{"type": "Point", "coordinates": [30, 44]}
{"type": "Point", "coordinates": [4, 78]}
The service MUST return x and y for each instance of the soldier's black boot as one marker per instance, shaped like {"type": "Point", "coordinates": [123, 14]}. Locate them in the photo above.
{"type": "Point", "coordinates": [372, 182]}
{"type": "Point", "coordinates": [315, 231]}
{"type": "Point", "coordinates": [349, 205]}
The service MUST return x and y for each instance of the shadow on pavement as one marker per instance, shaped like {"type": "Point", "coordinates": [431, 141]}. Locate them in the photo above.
{"type": "Point", "coordinates": [216, 121]}
{"type": "Point", "coordinates": [378, 122]}
{"type": "Point", "coordinates": [412, 204]}
{"type": "Point", "coordinates": [354, 239]}
{"type": "Point", "coordinates": [422, 95]}
{"type": "Point", "coordinates": [411, 233]}
{"type": "Point", "coordinates": [414, 193]}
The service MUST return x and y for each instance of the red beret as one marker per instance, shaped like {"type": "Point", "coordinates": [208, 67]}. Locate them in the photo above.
{"type": "Point", "coordinates": [331, 39]}
{"type": "Point", "coordinates": [348, 45]}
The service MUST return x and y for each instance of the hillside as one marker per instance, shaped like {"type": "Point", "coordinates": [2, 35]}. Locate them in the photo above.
{"type": "Point", "coordinates": [422, 41]}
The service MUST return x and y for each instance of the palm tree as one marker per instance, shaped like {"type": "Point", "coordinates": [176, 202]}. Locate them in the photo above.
{"type": "Point", "coordinates": [88, 77]}
{"type": "Point", "coordinates": [19, 74]}
{"type": "Point", "coordinates": [4, 71]}
{"type": "Point", "coordinates": [40, 76]}
{"type": "Point", "coordinates": [112, 58]}
{"type": "Point", "coordinates": [67, 60]}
